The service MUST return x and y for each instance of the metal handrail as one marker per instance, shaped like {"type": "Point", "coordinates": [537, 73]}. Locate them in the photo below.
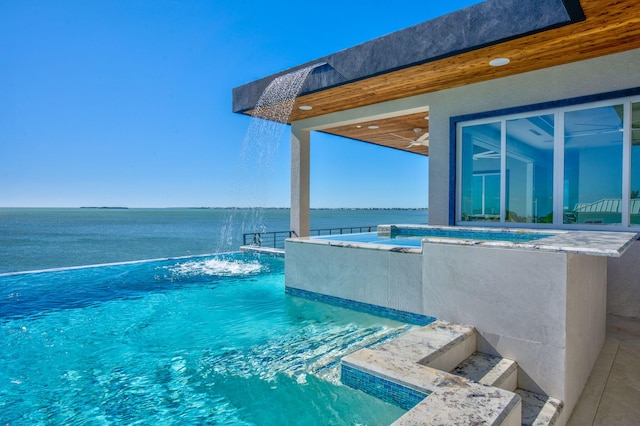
{"type": "Point", "coordinates": [276, 239]}
{"type": "Point", "coordinates": [350, 229]}
{"type": "Point", "coordinates": [266, 239]}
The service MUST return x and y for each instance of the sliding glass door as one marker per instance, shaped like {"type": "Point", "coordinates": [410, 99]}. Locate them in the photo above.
{"type": "Point", "coordinates": [577, 166]}
{"type": "Point", "coordinates": [481, 153]}
{"type": "Point", "coordinates": [593, 165]}
{"type": "Point", "coordinates": [529, 169]}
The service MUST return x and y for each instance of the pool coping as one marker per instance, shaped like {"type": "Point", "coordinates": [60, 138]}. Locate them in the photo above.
{"type": "Point", "coordinates": [594, 243]}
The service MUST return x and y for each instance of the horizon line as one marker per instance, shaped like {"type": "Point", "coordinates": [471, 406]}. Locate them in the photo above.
{"type": "Point", "coordinates": [209, 208]}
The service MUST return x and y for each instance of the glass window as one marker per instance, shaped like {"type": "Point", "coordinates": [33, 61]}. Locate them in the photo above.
{"type": "Point", "coordinates": [634, 202]}
{"type": "Point", "coordinates": [573, 166]}
{"type": "Point", "coordinates": [481, 172]}
{"type": "Point", "coordinates": [593, 141]}
{"type": "Point", "coordinates": [529, 169]}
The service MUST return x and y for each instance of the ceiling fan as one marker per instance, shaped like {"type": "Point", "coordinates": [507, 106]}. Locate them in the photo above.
{"type": "Point", "coordinates": [419, 140]}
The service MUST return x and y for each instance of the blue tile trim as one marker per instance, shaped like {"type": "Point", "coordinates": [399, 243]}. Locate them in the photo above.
{"type": "Point", "coordinates": [393, 393]}
{"type": "Point", "coordinates": [380, 311]}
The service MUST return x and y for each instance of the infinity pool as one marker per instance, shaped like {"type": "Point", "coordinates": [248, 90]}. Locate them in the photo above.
{"type": "Point", "coordinates": [205, 340]}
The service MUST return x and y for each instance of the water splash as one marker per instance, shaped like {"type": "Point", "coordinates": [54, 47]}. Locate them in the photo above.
{"type": "Point", "coordinates": [217, 267]}
{"type": "Point", "coordinates": [259, 148]}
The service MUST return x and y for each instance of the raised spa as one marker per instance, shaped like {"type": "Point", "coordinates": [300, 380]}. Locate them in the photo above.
{"type": "Point", "coordinates": [412, 235]}
{"type": "Point", "coordinates": [535, 296]}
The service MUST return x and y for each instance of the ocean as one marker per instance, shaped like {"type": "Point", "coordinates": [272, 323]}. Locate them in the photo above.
{"type": "Point", "coordinates": [44, 238]}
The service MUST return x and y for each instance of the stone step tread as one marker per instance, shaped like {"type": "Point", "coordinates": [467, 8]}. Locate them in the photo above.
{"type": "Point", "coordinates": [427, 343]}
{"type": "Point", "coordinates": [475, 404]}
{"type": "Point", "coordinates": [539, 410]}
{"type": "Point", "coordinates": [489, 370]}
{"type": "Point", "coordinates": [400, 370]}
{"type": "Point", "coordinates": [452, 399]}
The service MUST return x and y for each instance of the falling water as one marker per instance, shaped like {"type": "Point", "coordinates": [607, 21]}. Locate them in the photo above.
{"type": "Point", "coordinates": [259, 148]}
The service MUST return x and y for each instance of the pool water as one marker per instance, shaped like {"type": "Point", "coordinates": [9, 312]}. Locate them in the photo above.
{"type": "Point", "coordinates": [374, 238]}
{"type": "Point", "coordinates": [205, 340]}
{"type": "Point", "coordinates": [513, 236]}
{"type": "Point", "coordinates": [412, 237]}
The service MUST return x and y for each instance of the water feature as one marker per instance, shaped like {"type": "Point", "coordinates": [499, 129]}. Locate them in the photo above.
{"type": "Point", "coordinates": [259, 148]}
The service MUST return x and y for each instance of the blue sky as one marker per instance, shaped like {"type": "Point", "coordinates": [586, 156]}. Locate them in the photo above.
{"type": "Point", "coordinates": [128, 103]}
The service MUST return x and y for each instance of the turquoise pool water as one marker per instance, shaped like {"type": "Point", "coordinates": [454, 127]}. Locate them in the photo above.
{"type": "Point", "coordinates": [412, 237]}
{"type": "Point", "coordinates": [205, 340]}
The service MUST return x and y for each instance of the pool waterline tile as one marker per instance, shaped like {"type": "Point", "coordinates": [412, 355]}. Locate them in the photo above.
{"type": "Point", "coordinates": [380, 311]}
{"type": "Point", "coordinates": [388, 391]}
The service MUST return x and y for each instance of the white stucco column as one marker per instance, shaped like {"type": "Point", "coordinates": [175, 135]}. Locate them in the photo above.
{"type": "Point", "coordinates": [300, 162]}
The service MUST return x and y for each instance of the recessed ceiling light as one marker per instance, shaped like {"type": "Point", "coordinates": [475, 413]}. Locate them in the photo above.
{"type": "Point", "coordinates": [427, 117]}
{"type": "Point", "coordinates": [358, 127]}
{"type": "Point", "coordinates": [498, 62]}
{"type": "Point", "coordinates": [373, 127]}
{"type": "Point", "coordinates": [305, 107]}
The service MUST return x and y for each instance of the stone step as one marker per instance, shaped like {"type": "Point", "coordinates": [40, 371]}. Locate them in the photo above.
{"type": "Point", "coordinates": [539, 410]}
{"type": "Point", "coordinates": [473, 405]}
{"type": "Point", "coordinates": [432, 396]}
{"type": "Point", "coordinates": [441, 345]}
{"type": "Point", "coordinates": [489, 370]}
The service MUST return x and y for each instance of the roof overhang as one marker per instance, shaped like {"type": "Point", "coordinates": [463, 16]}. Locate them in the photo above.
{"type": "Point", "coordinates": [451, 51]}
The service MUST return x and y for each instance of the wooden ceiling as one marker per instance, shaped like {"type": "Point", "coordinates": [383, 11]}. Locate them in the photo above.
{"type": "Point", "coordinates": [397, 132]}
{"type": "Point", "coordinates": [611, 26]}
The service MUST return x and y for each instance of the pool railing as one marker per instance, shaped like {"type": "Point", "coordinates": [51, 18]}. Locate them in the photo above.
{"type": "Point", "coordinates": [276, 239]}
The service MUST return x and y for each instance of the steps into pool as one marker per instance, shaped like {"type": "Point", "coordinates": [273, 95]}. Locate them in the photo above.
{"type": "Point", "coordinates": [440, 345]}
{"type": "Point", "coordinates": [436, 374]}
{"type": "Point", "coordinates": [489, 370]}
{"type": "Point", "coordinates": [539, 409]}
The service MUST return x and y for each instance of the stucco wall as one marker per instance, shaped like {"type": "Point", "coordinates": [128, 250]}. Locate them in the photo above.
{"type": "Point", "coordinates": [378, 277]}
{"type": "Point", "coordinates": [519, 312]}
{"type": "Point", "coordinates": [586, 320]}
{"type": "Point", "coordinates": [545, 310]}
{"type": "Point", "coordinates": [623, 283]}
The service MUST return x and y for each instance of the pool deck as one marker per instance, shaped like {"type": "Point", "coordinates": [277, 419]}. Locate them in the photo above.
{"type": "Point", "coordinates": [611, 396]}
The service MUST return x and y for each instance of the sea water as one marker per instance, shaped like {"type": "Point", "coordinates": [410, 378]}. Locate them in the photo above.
{"type": "Point", "coordinates": [33, 239]}
{"type": "Point", "coordinates": [202, 340]}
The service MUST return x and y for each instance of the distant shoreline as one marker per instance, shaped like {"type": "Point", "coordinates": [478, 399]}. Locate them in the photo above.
{"type": "Point", "coordinates": [111, 208]}
{"type": "Point", "coordinates": [221, 208]}
{"type": "Point", "coordinates": [288, 208]}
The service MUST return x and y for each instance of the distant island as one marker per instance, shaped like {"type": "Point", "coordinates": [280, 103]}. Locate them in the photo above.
{"type": "Point", "coordinates": [105, 207]}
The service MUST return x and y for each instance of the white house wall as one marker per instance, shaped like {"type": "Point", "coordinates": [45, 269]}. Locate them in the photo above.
{"type": "Point", "coordinates": [600, 75]}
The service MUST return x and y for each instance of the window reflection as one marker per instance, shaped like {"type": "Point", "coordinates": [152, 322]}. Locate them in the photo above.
{"type": "Point", "coordinates": [481, 172]}
{"type": "Point", "coordinates": [575, 155]}
{"type": "Point", "coordinates": [530, 170]}
{"type": "Point", "coordinates": [593, 141]}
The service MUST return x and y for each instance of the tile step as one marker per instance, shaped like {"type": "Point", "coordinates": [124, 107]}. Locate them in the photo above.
{"type": "Point", "coordinates": [489, 370]}
{"type": "Point", "coordinates": [441, 344]}
{"type": "Point", "coordinates": [539, 410]}
{"type": "Point", "coordinates": [450, 399]}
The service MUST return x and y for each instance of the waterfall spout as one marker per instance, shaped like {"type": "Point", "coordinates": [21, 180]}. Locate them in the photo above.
{"type": "Point", "coordinates": [276, 102]}
{"type": "Point", "coordinates": [259, 148]}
